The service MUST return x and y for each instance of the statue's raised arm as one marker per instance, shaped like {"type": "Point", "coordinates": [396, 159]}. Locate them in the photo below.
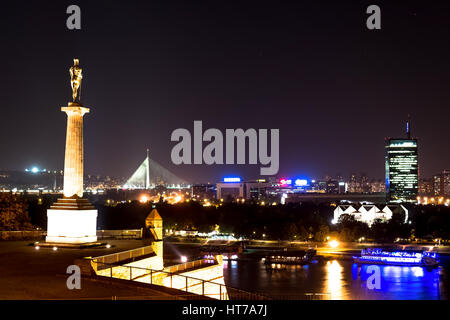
{"type": "Point", "coordinates": [75, 76]}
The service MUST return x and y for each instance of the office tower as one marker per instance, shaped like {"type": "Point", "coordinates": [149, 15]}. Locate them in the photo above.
{"type": "Point", "coordinates": [401, 168]}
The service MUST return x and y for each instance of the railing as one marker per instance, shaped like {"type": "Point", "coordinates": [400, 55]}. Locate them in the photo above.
{"type": "Point", "coordinates": [199, 287]}
{"type": "Point", "coordinates": [195, 288]}
{"type": "Point", "coordinates": [124, 255]}
{"type": "Point", "coordinates": [187, 265]}
{"type": "Point", "coordinates": [305, 296]}
{"type": "Point", "coordinates": [120, 234]}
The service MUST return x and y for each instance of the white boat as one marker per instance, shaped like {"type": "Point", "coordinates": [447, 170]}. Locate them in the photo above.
{"type": "Point", "coordinates": [398, 257]}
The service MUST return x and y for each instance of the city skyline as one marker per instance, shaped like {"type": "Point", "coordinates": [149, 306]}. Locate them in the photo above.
{"type": "Point", "coordinates": [35, 168]}
{"type": "Point", "coordinates": [334, 89]}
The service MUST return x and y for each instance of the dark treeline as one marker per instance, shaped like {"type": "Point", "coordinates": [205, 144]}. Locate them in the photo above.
{"type": "Point", "coordinates": [294, 221]}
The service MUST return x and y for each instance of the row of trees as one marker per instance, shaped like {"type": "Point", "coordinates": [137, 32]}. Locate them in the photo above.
{"type": "Point", "coordinates": [301, 221]}
{"type": "Point", "coordinates": [13, 213]}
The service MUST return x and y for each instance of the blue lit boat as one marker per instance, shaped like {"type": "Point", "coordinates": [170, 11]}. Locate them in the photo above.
{"type": "Point", "coordinates": [398, 257]}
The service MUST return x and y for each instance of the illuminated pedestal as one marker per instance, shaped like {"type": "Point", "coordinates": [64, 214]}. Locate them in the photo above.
{"type": "Point", "coordinates": [71, 221]}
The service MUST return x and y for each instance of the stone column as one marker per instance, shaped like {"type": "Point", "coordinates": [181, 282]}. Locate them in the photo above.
{"type": "Point", "coordinates": [73, 163]}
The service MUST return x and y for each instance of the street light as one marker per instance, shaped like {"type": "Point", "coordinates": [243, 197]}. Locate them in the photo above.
{"type": "Point", "coordinates": [333, 243]}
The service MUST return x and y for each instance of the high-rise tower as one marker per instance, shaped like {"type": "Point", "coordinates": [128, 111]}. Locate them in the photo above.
{"type": "Point", "coordinates": [402, 168]}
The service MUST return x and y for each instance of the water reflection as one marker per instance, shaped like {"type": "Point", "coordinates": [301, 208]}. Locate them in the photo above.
{"type": "Point", "coordinates": [342, 279]}
{"type": "Point", "coordinates": [402, 282]}
{"type": "Point", "coordinates": [334, 280]}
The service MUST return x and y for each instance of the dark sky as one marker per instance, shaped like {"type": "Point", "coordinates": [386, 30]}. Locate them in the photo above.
{"type": "Point", "coordinates": [310, 68]}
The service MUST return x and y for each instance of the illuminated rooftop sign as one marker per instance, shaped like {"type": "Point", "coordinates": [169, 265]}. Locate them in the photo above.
{"type": "Point", "coordinates": [232, 179]}
{"type": "Point", "coordinates": [285, 182]}
{"type": "Point", "coordinates": [301, 182]}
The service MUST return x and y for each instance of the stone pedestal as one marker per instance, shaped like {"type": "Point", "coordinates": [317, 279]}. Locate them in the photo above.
{"type": "Point", "coordinates": [71, 221]}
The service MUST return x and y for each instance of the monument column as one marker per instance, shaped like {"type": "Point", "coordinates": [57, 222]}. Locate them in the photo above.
{"type": "Point", "coordinates": [73, 163]}
{"type": "Point", "coordinates": [72, 219]}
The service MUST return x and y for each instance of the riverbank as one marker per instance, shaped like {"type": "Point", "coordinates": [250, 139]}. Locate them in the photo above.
{"type": "Point", "coordinates": [260, 248]}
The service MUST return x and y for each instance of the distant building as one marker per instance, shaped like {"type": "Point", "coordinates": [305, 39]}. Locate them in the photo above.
{"type": "Point", "coordinates": [445, 177]}
{"type": "Point", "coordinates": [31, 179]}
{"type": "Point", "coordinates": [189, 232]}
{"type": "Point", "coordinates": [230, 188]}
{"type": "Point", "coordinates": [426, 187]}
{"type": "Point", "coordinates": [204, 191]}
{"type": "Point", "coordinates": [332, 187]}
{"type": "Point", "coordinates": [441, 184]}
{"type": "Point", "coordinates": [234, 188]}
{"type": "Point", "coordinates": [402, 169]}
{"type": "Point", "coordinates": [369, 213]}
{"type": "Point", "coordinates": [257, 189]}
{"type": "Point", "coordinates": [319, 186]}
{"type": "Point", "coordinates": [437, 185]}
{"type": "Point", "coordinates": [377, 186]}
{"type": "Point", "coordinates": [360, 184]}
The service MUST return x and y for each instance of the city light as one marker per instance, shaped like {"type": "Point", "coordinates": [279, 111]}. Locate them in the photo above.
{"type": "Point", "coordinates": [183, 259]}
{"type": "Point", "coordinates": [231, 179]}
{"type": "Point", "coordinates": [301, 182]}
{"type": "Point", "coordinates": [285, 182]}
{"type": "Point", "coordinates": [333, 243]}
{"type": "Point", "coordinates": [143, 199]}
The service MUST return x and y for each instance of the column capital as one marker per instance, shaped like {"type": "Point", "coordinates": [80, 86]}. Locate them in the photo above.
{"type": "Point", "coordinates": [75, 108]}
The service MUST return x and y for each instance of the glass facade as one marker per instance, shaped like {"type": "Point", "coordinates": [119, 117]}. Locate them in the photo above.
{"type": "Point", "coordinates": [401, 170]}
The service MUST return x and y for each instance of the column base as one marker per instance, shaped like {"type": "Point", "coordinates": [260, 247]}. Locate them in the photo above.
{"type": "Point", "coordinates": [71, 221]}
{"type": "Point", "coordinates": [67, 240]}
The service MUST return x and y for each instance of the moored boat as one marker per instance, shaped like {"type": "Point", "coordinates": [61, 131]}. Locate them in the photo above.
{"type": "Point", "coordinates": [408, 257]}
{"type": "Point", "coordinates": [297, 257]}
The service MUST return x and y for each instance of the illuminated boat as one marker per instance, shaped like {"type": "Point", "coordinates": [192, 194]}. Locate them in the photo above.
{"type": "Point", "coordinates": [297, 257]}
{"type": "Point", "coordinates": [398, 257]}
{"type": "Point", "coordinates": [229, 252]}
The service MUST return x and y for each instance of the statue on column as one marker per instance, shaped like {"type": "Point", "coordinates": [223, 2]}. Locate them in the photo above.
{"type": "Point", "coordinates": [75, 76]}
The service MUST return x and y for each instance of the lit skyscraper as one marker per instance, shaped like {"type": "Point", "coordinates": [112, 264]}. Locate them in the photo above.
{"type": "Point", "coordinates": [402, 169]}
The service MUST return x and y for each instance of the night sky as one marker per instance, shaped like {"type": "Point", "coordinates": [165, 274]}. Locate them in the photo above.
{"type": "Point", "coordinates": [309, 68]}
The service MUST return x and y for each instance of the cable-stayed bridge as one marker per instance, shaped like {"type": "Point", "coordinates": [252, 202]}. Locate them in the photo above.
{"type": "Point", "coordinates": [150, 174]}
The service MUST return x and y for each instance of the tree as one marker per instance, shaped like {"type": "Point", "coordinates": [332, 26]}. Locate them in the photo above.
{"type": "Point", "coordinates": [351, 229]}
{"type": "Point", "coordinates": [322, 234]}
{"type": "Point", "coordinates": [13, 213]}
{"type": "Point", "coordinates": [291, 232]}
{"type": "Point", "coordinates": [303, 234]}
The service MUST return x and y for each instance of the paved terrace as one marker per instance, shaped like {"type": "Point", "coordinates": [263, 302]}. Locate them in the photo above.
{"type": "Point", "coordinates": [27, 273]}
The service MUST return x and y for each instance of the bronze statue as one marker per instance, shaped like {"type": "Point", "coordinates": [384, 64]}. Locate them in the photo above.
{"type": "Point", "coordinates": [75, 76]}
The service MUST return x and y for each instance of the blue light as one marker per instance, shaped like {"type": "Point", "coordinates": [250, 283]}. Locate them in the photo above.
{"type": "Point", "coordinates": [301, 182]}
{"type": "Point", "coordinates": [231, 179]}
{"type": "Point", "coordinates": [35, 169]}
{"type": "Point", "coordinates": [402, 257]}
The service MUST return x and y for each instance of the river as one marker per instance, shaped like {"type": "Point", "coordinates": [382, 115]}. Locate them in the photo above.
{"type": "Point", "coordinates": [341, 280]}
